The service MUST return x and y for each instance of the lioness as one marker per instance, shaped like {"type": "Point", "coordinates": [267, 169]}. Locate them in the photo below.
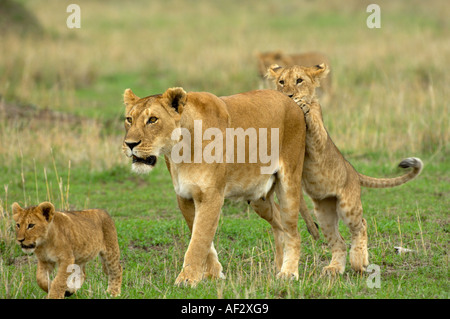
{"type": "Point", "coordinates": [154, 126]}
{"type": "Point", "coordinates": [266, 59]}
{"type": "Point", "coordinates": [328, 178]}
{"type": "Point", "coordinates": [68, 240]}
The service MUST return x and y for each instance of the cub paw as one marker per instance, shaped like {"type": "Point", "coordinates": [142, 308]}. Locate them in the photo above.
{"type": "Point", "coordinates": [304, 103]}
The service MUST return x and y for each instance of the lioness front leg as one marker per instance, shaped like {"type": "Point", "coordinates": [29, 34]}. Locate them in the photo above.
{"type": "Point", "coordinates": [213, 267]}
{"type": "Point", "coordinates": [207, 213]}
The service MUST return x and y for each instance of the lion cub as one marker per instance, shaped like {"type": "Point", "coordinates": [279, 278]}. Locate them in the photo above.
{"type": "Point", "coordinates": [68, 240]}
{"type": "Point", "coordinates": [328, 178]}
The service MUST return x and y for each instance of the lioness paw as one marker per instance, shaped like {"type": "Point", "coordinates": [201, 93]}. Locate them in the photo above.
{"type": "Point", "coordinates": [287, 275]}
{"type": "Point", "coordinates": [188, 278]}
{"type": "Point", "coordinates": [333, 270]}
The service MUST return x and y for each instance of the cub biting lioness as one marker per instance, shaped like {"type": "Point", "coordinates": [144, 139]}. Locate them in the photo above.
{"type": "Point", "coordinates": [66, 240]}
{"type": "Point", "coordinates": [328, 178]}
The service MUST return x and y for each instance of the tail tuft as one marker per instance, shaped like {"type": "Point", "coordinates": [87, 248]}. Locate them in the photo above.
{"type": "Point", "coordinates": [411, 162]}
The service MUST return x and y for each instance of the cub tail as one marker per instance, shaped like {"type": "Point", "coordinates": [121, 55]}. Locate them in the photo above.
{"type": "Point", "coordinates": [415, 163]}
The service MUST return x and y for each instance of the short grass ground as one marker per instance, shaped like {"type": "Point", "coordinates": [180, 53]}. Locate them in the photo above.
{"type": "Point", "coordinates": [390, 102]}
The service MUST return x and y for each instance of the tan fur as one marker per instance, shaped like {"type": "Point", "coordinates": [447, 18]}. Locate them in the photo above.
{"type": "Point", "coordinates": [202, 187]}
{"type": "Point", "coordinates": [308, 59]}
{"type": "Point", "coordinates": [330, 180]}
{"type": "Point", "coordinates": [68, 238]}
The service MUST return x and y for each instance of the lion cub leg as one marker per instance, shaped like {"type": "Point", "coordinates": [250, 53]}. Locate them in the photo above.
{"type": "Point", "coordinates": [44, 269]}
{"type": "Point", "coordinates": [110, 258]}
{"type": "Point", "coordinates": [269, 210]}
{"type": "Point", "coordinates": [58, 286]}
{"type": "Point", "coordinates": [328, 219]}
{"type": "Point", "coordinates": [350, 211]}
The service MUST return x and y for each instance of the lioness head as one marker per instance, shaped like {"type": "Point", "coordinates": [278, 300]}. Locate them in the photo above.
{"type": "Point", "coordinates": [297, 81]}
{"type": "Point", "coordinates": [32, 224]}
{"type": "Point", "coordinates": [149, 123]}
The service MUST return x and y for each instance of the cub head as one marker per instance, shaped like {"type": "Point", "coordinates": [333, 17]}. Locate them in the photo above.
{"type": "Point", "coordinates": [32, 224]}
{"type": "Point", "coordinates": [297, 81]}
{"type": "Point", "coordinates": [149, 123]}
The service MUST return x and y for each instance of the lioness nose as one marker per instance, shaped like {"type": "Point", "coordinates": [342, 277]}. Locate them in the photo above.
{"type": "Point", "coordinates": [132, 145]}
{"type": "Point", "coordinates": [20, 239]}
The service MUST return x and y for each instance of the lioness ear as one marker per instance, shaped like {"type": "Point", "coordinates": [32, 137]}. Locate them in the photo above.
{"type": "Point", "coordinates": [274, 71]}
{"type": "Point", "coordinates": [16, 210]}
{"type": "Point", "coordinates": [129, 97]}
{"type": "Point", "coordinates": [48, 210]}
{"type": "Point", "coordinates": [177, 98]}
{"type": "Point", "coordinates": [318, 72]}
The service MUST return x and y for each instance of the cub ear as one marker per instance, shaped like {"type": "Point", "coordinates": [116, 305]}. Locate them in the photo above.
{"type": "Point", "coordinates": [16, 210]}
{"type": "Point", "coordinates": [129, 98]}
{"type": "Point", "coordinates": [274, 71]}
{"type": "Point", "coordinates": [318, 72]}
{"type": "Point", "coordinates": [177, 98]}
{"type": "Point", "coordinates": [48, 210]}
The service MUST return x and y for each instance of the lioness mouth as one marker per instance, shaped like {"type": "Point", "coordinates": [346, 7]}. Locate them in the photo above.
{"type": "Point", "coordinates": [151, 160]}
{"type": "Point", "coordinates": [32, 246]}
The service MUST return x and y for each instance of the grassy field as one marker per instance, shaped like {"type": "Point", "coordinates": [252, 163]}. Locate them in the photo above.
{"type": "Point", "coordinates": [61, 129]}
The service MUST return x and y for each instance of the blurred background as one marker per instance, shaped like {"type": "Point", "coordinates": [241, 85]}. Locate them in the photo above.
{"type": "Point", "coordinates": [390, 85]}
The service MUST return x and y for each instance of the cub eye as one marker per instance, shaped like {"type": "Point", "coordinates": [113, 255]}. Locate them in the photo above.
{"type": "Point", "coordinates": [30, 226]}
{"type": "Point", "coordinates": [152, 120]}
{"type": "Point", "coordinates": [129, 120]}
{"type": "Point", "coordinates": [281, 82]}
{"type": "Point", "coordinates": [18, 225]}
{"type": "Point", "coordinates": [299, 80]}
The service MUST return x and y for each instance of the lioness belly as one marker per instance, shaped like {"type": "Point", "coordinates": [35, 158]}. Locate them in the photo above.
{"type": "Point", "coordinates": [243, 188]}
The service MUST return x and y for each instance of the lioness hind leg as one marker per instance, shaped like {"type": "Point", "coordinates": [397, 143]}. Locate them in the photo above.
{"type": "Point", "coordinates": [289, 209]}
{"type": "Point", "coordinates": [325, 211]}
{"type": "Point", "coordinates": [269, 210]}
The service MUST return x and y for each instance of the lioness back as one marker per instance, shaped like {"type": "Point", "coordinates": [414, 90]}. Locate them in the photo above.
{"type": "Point", "coordinates": [259, 109]}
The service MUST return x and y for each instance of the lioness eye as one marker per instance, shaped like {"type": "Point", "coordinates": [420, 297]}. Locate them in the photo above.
{"type": "Point", "coordinates": [299, 81]}
{"type": "Point", "coordinates": [18, 225]}
{"type": "Point", "coordinates": [281, 82]}
{"type": "Point", "coordinates": [129, 120]}
{"type": "Point", "coordinates": [30, 226]}
{"type": "Point", "coordinates": [152, 120]}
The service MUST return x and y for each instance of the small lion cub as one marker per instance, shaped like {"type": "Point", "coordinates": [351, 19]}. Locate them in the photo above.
{"type": "Point", "coordinates": [68, 240]}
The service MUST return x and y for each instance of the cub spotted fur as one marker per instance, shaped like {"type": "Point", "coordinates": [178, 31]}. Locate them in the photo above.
{"type": "Point", "coordinates": [328, 178]}
{"type": "Point", "coordinates": [68, 238]}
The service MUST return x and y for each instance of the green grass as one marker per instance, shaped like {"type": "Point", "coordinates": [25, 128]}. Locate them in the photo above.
{"type": "Point", "coordinates": [390, 103]}
{"type": "Point", "coordinates": [153, 238]}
